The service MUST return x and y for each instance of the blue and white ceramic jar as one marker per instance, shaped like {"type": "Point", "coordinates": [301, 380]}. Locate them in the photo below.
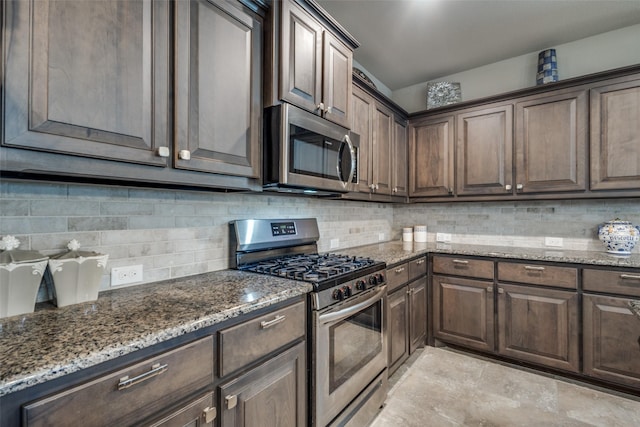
{"type": "Point", "coordinates": [619, 236]}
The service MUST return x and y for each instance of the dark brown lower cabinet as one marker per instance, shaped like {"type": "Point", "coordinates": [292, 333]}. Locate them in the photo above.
{"type": "Point", "coordinates": [202, 412]}
{"type": "Point", "coordinates": [407, 321]}
{"type": "Point", "coordinates": [271, 395]}
{"type": "Point", "coordinates": [539, 325]}
{"type": "Point", "coordinates": [463, 312]}
{"type": "Point", "coordinates": [417, 314]}
{"type": "Point", "coordinates": [611, 347]}
{"type": "Point", "coordinates": [398, 333]}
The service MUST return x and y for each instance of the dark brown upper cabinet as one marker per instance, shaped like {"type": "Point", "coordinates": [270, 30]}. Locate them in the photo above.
{"type": "Point", "coordinates": [311, 64]}
{"type": "Point", "coordinates": [431, 154]}
{"type": "Point", "coordinates": [88, 79]}
{"type": "Point", "coordinates": [218, 88]}
{"type": "Point", "coordinates": [551, 142]}
{"type": "Point", "coordinates": [111, 81]}
{"type": "Point", "coordinates": [484, 150]}
{"type": "Point", "coordinates": [615, 135]}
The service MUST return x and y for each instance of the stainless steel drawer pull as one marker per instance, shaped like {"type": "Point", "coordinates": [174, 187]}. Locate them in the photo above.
{"type": "Point", "coordinates": [269, 323]}
{"type": "Point", "coordinates": [630, 276]}
{"type": "Point", "coordinates": [209, 414]}
{"type": "Point", "coordinates": [489, 288]}
{"type": "Point", "coordinates": [157, 369]}
{"type": "Point", "coordinates": [231, 401]}
{"type": "Point", "coordinates": [532, 268]}
{"type": "Point", "coordinates": [399, 269]}
{"type": "Point", "coordinates": [420, 262]}
{"type": "Point", "coordinates": [460, 261]}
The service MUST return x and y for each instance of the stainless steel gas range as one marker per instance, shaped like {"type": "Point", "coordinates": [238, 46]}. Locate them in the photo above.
{"type": "Point", "coordinates": [348, 345]}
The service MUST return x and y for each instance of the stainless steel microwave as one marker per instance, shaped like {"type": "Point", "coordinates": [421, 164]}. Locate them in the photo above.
{"type": "Point", "coordinates": [304, 153]}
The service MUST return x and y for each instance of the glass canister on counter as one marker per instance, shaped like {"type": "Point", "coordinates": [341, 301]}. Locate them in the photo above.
{"type": "Point", "coordinates": [407, 234]}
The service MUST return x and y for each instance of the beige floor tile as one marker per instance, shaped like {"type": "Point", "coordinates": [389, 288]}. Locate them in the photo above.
{"type": "Point", "coordinates": [443, 388]}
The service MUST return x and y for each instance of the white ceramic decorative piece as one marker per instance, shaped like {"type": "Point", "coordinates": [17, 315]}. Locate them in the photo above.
{"type": "Point", "coordinates": [618, 236]}
{"type": "Point", "coordinates": [407, 234]}
{"type": "Point", "coordinates": [76, 275]}
{"type": "Point", "coordinates": [420, 233]}
{"type": "Point", "coordinates": [20, 276]}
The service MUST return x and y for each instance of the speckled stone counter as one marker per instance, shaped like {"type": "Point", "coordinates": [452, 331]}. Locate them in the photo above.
{"type": "Point", "coordinates": [635, 307]}
{"type": "Point", "coordinates": [397, 252]}
{"type": "Point", "coordinates": [54, 342]}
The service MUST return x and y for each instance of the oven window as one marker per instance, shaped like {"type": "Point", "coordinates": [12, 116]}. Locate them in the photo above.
{"type": "Point", "coordinates": [353, 343]}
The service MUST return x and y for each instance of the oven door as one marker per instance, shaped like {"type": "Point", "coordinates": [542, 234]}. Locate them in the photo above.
{"type": "Point", "coordinates": [350, 351]}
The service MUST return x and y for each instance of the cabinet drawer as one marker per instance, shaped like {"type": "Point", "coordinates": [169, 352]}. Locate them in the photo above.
{"type": "Point", "coordinates": [560, 277]}
{"type": "Point", "coordinates": [397, 276]}
{"type": "Point", "coordinates": [243, 344]}
{"type": "Point", "coordinates": [130, 395]}
{"type": "Point", "coordinates": [463, 267]}
{"type": "Point", "coordinates": [417, 268]}
{"type": "Point", "coordinates": [615, 282]}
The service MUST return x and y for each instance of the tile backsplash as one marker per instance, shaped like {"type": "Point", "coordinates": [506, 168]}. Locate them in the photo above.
{"type": "Point", "coordinates": [524, 224]}
{"type": "Point", "coordinates": [171, 233]}
{"type": "Point", "coordinates": [175, 233]}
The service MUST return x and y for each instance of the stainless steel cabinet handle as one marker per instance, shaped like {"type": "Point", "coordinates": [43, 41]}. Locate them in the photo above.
{"type": "Point", "coordinates": [231, 401]}
{"type": "Point", "coordinates": [327, 110]}
{"type": "Point", "coordinates": [489, 288]}
{"type": "Point", "coordinates": [269, 323]}
{"type": "Point", "coordinates": [163, 152]}
{"type": "Point", "coordinates": [377, 186]}
{"type": "Point", "coordinates": [460, 261]}
{"type": "Point", "coordinates": [184, 154]}
{"type": "Point", "coordinates": [420, 262]}
{"type": "Point", "coordinates": [399, 270]}
{"type": "Point", "coordinates": [500, 291]}
{"type": "Point", "coordinates": [507, 187]}
{"type": "Point", "coordinates": [157, 369]}
{"type": "Point", "coordinates": [320, 106]}
{"type": "Point", "coordinates": [451, 191]}
{"type": "Point", "coordinates": [532, 268]}
{"type": "Point", "coordinates": [519, 187]}
{"type": "Point", "coordinates": [630, 276]}
{"type": "Point", "coordinates": [209, 414]}
{"type": "Point", "coordinates": [395, 190]}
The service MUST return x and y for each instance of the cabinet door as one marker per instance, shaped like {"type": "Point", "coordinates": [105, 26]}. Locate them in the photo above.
{"type": "Point", "coordinates": [301, 58]}
{"type": "Point", "coordinates": [218, 88]}
{"type": "Point", "coordinates": [615, 136]}
{"type": "Point", "coordinates": [484, 151]}
{"type": "Point", "coordinates": [539, 325]}
{"type": "Point", "coordinates": [271, 395]}
{"type": "Point", "coordinates": [362, 124]}
{"type": "Point", "coordinates": [398, 329]}
{"type": "Point", "coordinates": [88, 79]}
{"type": "Point", "coordinates": [551, 143]}
{"type": "Point", "coordinates": [611, 340]}
{"type": "Point", "coordinates": [399, 161]}
{"type": "Point", "coordinates": [463, 312]}
{"type": "Point", "coordinates": [382, 142]}
{"type": "Point", "coordinates": [337, 82]}
{"type": "Point", "coordinates": [417, 314]}
{"type": "Point", "coordinates": [200, 413]}
{"type": "Point", "coordinates": [431, 147]}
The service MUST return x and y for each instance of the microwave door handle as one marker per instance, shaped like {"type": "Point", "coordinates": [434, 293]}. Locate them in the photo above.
{"type": "Point", "coordinates": [351, 310]}
{"type": "Point", "coordinates": [347, 141]}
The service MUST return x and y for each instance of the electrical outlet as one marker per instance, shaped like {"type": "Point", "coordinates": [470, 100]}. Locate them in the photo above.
{"type": "Point", "coordinates": [443, 237]}
{"type": "Point", "coordinates": [380, 237]}
{"type": "Point", "coordinates": [553, 241]}
{"type": "Point", "coordinates": [334, 243]}
{"type": "Point", "coordinates": [126, 275]}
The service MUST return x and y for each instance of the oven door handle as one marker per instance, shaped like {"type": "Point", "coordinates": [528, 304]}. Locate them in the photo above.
{"type": "Point", "coordinates": [353, 309]}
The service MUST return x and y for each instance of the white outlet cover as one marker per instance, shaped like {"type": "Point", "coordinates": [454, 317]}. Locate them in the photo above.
{"type": "Point", "coordinates": [335, 243]}
{"type": "Point", "coordinates": [553, 241]}
{"type": "Point", "coordinates": [126, 275]}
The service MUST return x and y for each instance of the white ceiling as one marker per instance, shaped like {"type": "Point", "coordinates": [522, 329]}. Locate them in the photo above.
{"type": "Point", "coordinates": [405, 42]}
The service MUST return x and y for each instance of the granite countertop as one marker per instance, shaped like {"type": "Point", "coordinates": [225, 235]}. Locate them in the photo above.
{"type": "Point", "coordinates": [396, 252]}
{"type": "Point", "coordinates": [50, 343]}
{"type": "Point", "coordinates": [635, 307]}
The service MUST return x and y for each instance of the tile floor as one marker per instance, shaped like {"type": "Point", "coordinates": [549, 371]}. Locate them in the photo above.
{"type": "Point", "coordinates": [443, 387]}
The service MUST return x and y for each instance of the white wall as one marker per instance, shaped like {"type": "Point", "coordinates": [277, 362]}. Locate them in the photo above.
{"type": "Point", "coordinates": [602, 52]}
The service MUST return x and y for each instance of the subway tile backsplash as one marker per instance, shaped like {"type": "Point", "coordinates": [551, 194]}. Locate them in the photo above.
{"type": "Point", "coordinates": [171, 233]}
{"type": "Point", "coordinates": [176, 233]}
